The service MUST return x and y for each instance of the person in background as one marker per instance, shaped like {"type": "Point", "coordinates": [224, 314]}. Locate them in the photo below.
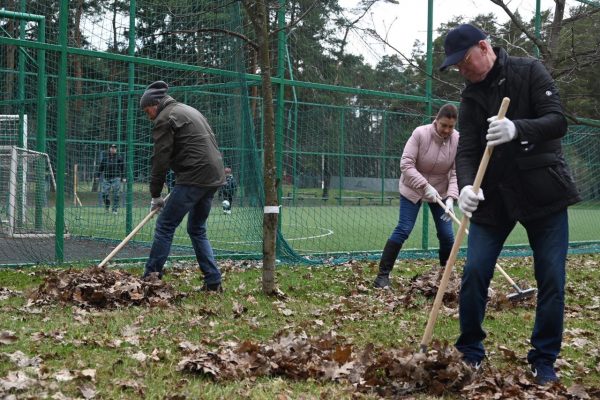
{"type": "Point", "coordinates": [428, 174]}
{"type": "Point", "coordinates": [527, 181]}
{"type": "Point", "coordinates": [227, 191]}
{"type": "Point", "coordinates": [184, 142]}
{"type": "Point", "coordinates": [113, 168]}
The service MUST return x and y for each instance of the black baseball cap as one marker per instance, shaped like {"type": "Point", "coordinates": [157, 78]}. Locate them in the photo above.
{"type": "Point", "coordinates": [458, 41]}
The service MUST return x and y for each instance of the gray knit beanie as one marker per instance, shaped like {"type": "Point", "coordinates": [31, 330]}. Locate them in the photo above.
{"type": "Point", "coordinates": [153, 94]}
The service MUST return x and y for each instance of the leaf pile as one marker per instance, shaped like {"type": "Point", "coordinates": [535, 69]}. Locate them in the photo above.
{"type": "Point", "coordinates": [515, 384]}
{"type": "Point", "coordinates": [98, 287]}
{"type": "Point", "coordinates": [29, 374]}
{"type": "Point", "coordinates": [427, 284]}
{"type": "Point", "coordinates": [388, 372]}
{"type": "Point", "coordinates": [330, 358]}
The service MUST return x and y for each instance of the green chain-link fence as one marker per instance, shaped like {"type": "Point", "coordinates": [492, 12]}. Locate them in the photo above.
{"type": "Point", "coordinates": [74, 72]}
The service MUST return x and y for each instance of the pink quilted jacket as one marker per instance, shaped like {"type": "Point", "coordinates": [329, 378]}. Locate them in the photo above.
{"type": "Point", "coordinates": [427, 158]}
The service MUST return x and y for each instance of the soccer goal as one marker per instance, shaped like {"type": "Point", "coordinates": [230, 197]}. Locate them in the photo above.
{"type": "Point", "coordinates": [26, 180]}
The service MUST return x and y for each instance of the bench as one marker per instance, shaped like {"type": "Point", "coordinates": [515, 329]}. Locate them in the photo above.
{"type": "Point", "coordinates": [286, 200]}
{"type": "Point", "coordinates": [341, 199]}
{"type": "Point", "coordinates": [380, 200]}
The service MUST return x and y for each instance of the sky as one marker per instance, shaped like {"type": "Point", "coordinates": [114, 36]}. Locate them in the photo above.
{"type": "Point", "coordinates": [402, 23]}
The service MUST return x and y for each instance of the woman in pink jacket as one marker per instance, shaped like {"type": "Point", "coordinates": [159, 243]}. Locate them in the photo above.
{"type": "Point", "coordinates": [428, 173]}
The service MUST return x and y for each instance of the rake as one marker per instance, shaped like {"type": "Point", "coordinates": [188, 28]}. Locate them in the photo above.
{"type": "Point", "coordinates": [521, 293]}
{"type": "Point", "coordinates": [460, 235]}
{"type": "Point", "coordinates": [131, 234]}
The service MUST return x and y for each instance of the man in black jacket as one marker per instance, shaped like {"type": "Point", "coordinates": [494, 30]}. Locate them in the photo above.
{"type": "Point", "coordinates": [113, 168]}
{"type": "Point", "coordinates": [185, 143]}
{"type": "Point", "coordinates": [527, 181]}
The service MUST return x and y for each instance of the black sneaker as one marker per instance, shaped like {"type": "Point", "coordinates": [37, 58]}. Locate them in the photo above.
{"type": "Point", "coordinates": [543, 373]}
{"type": "Point", "coordinates": [382, 281]}
{"type": "Point", "coordinates": [213, 287]}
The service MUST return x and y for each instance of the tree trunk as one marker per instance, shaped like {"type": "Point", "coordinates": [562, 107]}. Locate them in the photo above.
{"type": "Point", "coordinates": [257, 10]}
{"type": "Point", "coordinates": [555, 28]}
{"type": "Point", "coordinates": [114, 27]}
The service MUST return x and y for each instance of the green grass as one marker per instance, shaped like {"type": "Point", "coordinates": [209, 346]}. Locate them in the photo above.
{"type": "Point", "coordinates": [321, 299]}
{"type": "Point", "coordinates": [308, 229]}
{"type": "Point", "coordinates": [311, 227]}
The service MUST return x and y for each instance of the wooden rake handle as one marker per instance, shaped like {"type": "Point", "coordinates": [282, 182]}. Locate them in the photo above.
{"type": "Point", "coordinates": [460, 235]}
{"type": "Point", "coordinates": [131, 234]}
{"type": "Point", "coordinates": [498, 267]}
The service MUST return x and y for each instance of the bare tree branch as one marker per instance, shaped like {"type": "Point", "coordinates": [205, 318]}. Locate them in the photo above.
{"type": "Point", "coordinates": [297, 20]}
{"type": "Point", "coordinates": [581, 16]}
{"type": "Point", "coordinates": [344, 42]}
{"type": "Point", "coordinates": [410, 61]}
{"type": "Point", "coordinates": [245, 38]}
{"type": "Point", "coordinates": [540, 44]}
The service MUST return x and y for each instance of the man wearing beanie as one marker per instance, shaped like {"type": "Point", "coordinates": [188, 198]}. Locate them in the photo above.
{"type": "Point", "coordinates": [185, 143]}
{"type": "Point", "coordinates": [527, 181]}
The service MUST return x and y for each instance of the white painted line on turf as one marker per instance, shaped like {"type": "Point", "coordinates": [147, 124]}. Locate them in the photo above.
{"type": "Point", "coordinates": [327, 231]}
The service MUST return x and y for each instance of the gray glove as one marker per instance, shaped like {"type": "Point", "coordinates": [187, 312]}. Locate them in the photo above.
{"type": "Point", "coordinates": [468, 200]}
{"type": "Point", "coordinates": [449, 210]}
{"type": "Point", "coordinates": [157, 203]}
{"type": "Point", "coordinates": [430, 194]}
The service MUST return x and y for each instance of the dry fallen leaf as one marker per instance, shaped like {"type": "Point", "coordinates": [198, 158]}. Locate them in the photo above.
{"type": "Point", "coordinates": [17, 380]}
{"type": "Point", "coordinates": [64, 375]}
{"type": "Point", "coordinates": [88, 391]}
{"type": "Point", "coordinates": [8, 337]}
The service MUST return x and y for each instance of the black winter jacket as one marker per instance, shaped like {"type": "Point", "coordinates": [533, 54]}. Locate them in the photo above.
{"type": "Point", "coordinates": [112, 166]}
{"type": "Point", "coordinates": [184, 142]}
{"type": "Point", "coordinates": [528, 177]}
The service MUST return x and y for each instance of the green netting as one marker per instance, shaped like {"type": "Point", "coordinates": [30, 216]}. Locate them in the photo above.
{"type": "Point", "coordinates": [338, 147]}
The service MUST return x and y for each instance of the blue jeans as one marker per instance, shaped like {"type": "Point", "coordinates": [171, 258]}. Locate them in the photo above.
{"type": "Point", "coordinates": [549, 240]}
{"type": "Point", "coordinates": [197, 202]}
{"type": "Point", "coordinates": [406, 223]}
{"type": "Point", "coordinates": [111, 185]}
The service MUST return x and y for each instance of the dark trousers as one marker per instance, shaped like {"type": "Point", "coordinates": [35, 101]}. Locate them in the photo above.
{"type": "Point", "coordinates": [196, 202]}
{"type": "Point", "coordinates": [549, 240]}
{"type": "Point", "coordinates": [406, 223]}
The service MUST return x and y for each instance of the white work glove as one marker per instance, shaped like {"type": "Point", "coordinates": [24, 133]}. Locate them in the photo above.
{"type": "Point", "coordinates": [430, 194]}
{"type": "Point", "coordinates": [468, 200]}
{"type": "Point", "coordinates": [157, 203]}
{"type": "Point", "coordinates": [449, 210]}
{"type": "Point", "coordinates": [500, 131]}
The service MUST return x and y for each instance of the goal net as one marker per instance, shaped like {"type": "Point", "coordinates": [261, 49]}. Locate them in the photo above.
{"type": "Point", "coordinates": [26, 184]}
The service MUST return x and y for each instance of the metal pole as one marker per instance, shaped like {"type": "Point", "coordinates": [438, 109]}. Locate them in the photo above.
{"type": "Point", "coordinates": [384, 154]}
{"type": "Point", "coordinates": [42, 84]}
{"type": "Point", "coordinates": [131, 110]}
{"type": "Point", "coordinates": [428, 94]}
{"type": "Point", "coordinates": [61, 129]}
{"type": "Point", "coordinates": [280, 113]}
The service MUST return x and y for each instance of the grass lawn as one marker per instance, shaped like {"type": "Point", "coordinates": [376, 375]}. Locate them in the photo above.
{"type": "Point", "coordinates": [133, 352]}
{"type": "Point", "coordinates": [308, 229]}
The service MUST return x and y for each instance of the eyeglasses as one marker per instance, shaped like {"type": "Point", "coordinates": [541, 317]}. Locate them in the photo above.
{"type": "Point", "coordinates": [464, 62]}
